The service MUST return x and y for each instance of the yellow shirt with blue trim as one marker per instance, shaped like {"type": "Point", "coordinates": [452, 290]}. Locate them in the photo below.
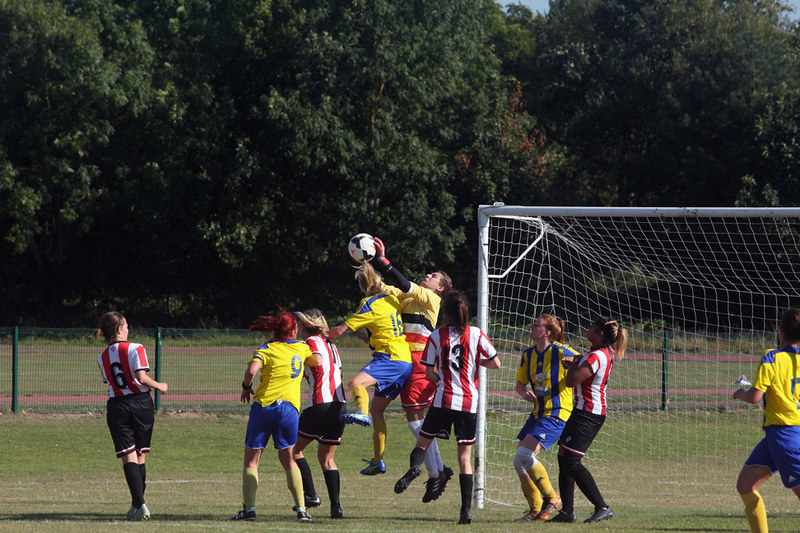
{"type": "Point", "coordinates": [545, 374]}
{"type": "Point", "coordinates": [381, 316]}
{"type": "Point", "coordinates": [281, 371]}
{"type": "Point", "coordinates": [420, 310]}
{"type": "Point", "coordinates": [778, 377]}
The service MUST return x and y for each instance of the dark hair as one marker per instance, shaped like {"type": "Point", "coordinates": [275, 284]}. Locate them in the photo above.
{"type": "Point", "coordinates": [614, 335]}
{"type": "Point", "coordinates": [109, 324]}
{"type": "Point", "coordinates": [790, 324]}
{"type": "Point", "coordinates": [445, 283]}
{"type": "Point", "coordinates": [282, 325]}
{"type": "Point", "coordinates": [554, 326]}
{"type": "Point", "coordinates": [456, 309]}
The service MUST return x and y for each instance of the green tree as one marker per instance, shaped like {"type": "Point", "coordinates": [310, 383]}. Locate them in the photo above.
{"type": "Point", "coordinates": [657, 102]}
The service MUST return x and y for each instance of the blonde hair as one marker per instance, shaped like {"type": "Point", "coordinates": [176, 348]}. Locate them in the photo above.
{"type": "Point", "coordinates": [109, 324]}
{"type": "Point", "coordinates": [369, 279]}
{"type": "Point", "coordinates": [314, 321]}
{"type": "Point", "coordinates": [554, 326]}
{"type": "Point", "coordinates": [614, 335]}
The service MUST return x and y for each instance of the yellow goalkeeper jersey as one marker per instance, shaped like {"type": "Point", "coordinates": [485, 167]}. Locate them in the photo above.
{"type": "Point", "coordinates": [420, 310]}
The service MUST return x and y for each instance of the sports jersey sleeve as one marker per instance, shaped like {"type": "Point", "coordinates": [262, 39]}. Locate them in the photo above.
{"type": "Point", "coordinates": [431, 349]}
{"type": "Point", "coordinates": [522, 373]}
{"type": "Point", "coordinates": [362, 317]}
{"type": "Point", "coordinates": [139, 360]}
{"type": "Point", "coordinates": [765, 375]}
{"type": "Point", "coordinates": [486, 348]}
{"type": "Point", "coordinates": [313, 344]}
{"type": "Point", "coordinates": [593, 360]}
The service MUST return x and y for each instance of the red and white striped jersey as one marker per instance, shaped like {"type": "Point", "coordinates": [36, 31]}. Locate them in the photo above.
{"type": "Point", "coordinates": [590, 395]}
{"type": "Point", "coordinates": [118, 365]}
{"type": "Point", "coordinates": [456, 357]}
{"type": "Point", "coordinates": [325, 380]}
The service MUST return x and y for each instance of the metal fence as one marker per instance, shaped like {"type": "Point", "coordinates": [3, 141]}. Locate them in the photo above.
{"type": "Point", "coordinates": [49, 370]}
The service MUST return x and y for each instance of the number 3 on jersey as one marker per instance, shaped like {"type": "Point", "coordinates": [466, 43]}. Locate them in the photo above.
{"type": "Point", "coordinates": [457, 354]}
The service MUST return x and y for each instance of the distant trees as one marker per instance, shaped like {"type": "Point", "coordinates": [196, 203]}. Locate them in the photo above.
{"type": "Point", "coordinates": [195, 162]}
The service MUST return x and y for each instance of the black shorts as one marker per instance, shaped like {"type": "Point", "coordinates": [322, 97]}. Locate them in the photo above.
{"type": "Point", "coordinates": [323, 423]}
{"type": "Point", "coordinates": [130, 420]}
{"type": "Point", "coordinates": [581, 429]}
{"type": "Point", "coordinates": [438, 421]}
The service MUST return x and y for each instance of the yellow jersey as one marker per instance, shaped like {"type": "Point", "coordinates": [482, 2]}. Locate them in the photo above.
{"type": "Point", "coordinates": [545, 374]}
{"type": "Point", "coordinates": [778, 377]}
{"type": "Point", "coordinates": [420, 311]}
{"type": "Point", "coordinates": [380, 315]}
{"type": "Point", "coordinates": [281, 371]}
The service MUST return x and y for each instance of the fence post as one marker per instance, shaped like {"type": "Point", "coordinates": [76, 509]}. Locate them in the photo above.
{"type": "Point", "coordinates": [158, 366]}
{"type": "Point", "coordinates": [665, 371]}
{"type": "Point", "coordinates": [15, 371]}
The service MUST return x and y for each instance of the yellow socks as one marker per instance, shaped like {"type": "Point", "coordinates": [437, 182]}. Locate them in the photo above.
{"type": "Point", "coordinates": [294, 480]}
{"type": "Point", "coordinates": [378, 438]}
{"type": "Point", "coordinates": [532, 494]}
{"type": "Point", "coordinates": [539, 476]}
{"type": "Point", "coordinates": [755, 511]}
{"type": "Point", "coordinates": [249, 487]}
{"type": "Point", "coordinates": [361, 397]}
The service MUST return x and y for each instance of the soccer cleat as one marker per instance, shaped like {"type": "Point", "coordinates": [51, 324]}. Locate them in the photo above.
{"type": "Point", "coordinates": [141, 514]}
{"type": "Point", "coordinates": [357, 418]}
{"type": "Point", "coordinates": [336, 511]}
{"type": "Point", "coordinates": [448, 472]}
{"type": "Point", "coordinates": [548, 507]}
{"type": "Point", "coordinates": [313, 501]}
{"type": "Point", "coordinates": [433, 488]}
{"type": "Point", "coordinates": [403, 483]}
{"type": "Point", "coordinates": [303, 516]}
{"type": "Point", "coordinates": [565, 517]}
{"type": "Point", "coordinates": [604, 513]}
{"type": "Point", "coordinates": [131, 513]}
{"type": "Point", "coordinates": [244, 514]}
{"type": "Point", "coordinates": [466, 517]}
{"type": "Point", "coordinates": [373, 468]}
{"type": "Point", "coordinates": [530, 516]}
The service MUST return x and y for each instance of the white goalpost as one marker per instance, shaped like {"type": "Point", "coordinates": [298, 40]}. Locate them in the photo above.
{"type": "Point", "coordinates": [699, 290]}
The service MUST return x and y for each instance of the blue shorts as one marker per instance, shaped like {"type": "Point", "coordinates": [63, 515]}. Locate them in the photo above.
{"type": "Point", "coordinates": [278, 420]}
{"type": "Point", "coordinates": [390, 375]}
{"type": "Point", "coordinates": [546, 430]}
{"type": "Point", "coordinates": [779, 451]}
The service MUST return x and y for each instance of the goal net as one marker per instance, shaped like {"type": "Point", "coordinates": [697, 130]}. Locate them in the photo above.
{"type": "Point", "coordinates": [699, 290]}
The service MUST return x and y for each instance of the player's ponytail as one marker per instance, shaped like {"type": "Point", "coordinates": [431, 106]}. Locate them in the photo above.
{"type": "Point", "coordinates": [109, 324]}
{"type": "Point", "coordinates": [314, 321]}
{"type": "Point", "coordinates": [554, 326]}
{"type": "Point", "coordinates": [282, 325]}
{"type": "Point", "coordinates": [614, 335]}
{"type": "Point", "coordinates": [369, 280]}
{"type": "Point", "coordinates": [456, 309]}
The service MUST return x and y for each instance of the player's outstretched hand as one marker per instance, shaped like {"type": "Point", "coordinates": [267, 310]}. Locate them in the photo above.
{"type": "Point", "coordinates": [380, 248]}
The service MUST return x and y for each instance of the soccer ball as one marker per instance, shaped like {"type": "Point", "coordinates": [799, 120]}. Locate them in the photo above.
{"type": "Point", "coordinates": [361, 248]}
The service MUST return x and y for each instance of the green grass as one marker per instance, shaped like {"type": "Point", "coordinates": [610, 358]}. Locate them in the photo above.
{"type": "Point", "coordinates": [59, 473]}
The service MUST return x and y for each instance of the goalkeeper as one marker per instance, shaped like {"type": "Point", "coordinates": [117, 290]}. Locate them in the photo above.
{"type": "Point", "coordinates": [542, 366]}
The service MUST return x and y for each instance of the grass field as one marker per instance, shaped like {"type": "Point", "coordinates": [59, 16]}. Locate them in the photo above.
{"type": "Point", "coordinates": [59, 473]}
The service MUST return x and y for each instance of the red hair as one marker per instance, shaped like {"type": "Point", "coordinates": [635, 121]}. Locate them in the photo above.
{"type": "Point", "coordinates": [282, 325]}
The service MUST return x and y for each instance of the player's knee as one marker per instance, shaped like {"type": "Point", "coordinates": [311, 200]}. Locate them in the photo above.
{"type": "Point", "coordinates": [524, 460]}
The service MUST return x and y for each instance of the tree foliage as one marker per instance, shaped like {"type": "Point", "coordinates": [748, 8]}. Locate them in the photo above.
{"type": "Point", "coordinates": [196, 162]}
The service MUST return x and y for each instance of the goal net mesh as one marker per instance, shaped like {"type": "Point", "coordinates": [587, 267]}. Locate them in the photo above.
{"type": "Point", "coordinates": [700, 298]}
